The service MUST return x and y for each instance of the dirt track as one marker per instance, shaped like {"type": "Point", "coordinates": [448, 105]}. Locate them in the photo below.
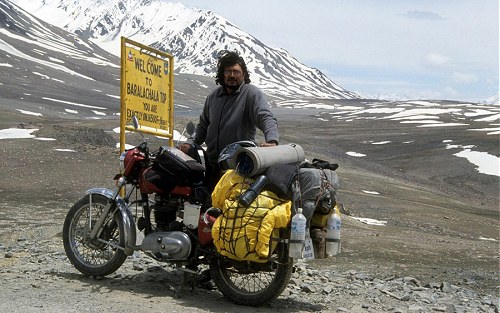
{"type": "Point", "coordinates": [434, 232]}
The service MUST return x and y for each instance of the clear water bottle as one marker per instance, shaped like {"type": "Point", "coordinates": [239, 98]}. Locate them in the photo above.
{"type": "Point", "coordinates": [297, 234]}
{"type": "Point", "coordinates": [333, 234]}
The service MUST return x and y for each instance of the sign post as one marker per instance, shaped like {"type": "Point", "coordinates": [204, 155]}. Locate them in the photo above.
{"type": "Point", "coordinates": [147, 90]}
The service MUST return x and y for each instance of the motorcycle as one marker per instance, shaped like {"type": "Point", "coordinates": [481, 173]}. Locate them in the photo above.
{"type": "Point", "coordinates": [163, 196]}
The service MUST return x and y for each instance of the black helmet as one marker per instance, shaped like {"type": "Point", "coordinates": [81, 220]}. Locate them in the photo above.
{"type": "Point", "coordinates": [226, 155]}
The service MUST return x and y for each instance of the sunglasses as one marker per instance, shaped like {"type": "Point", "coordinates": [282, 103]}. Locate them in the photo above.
{"type": "Point", "coordinates": [232, 72]}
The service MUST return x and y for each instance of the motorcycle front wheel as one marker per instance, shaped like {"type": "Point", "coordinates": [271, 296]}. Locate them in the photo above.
{"type": "Point", "coordinates": [249, 283]}
{"type": "Point", "coordinates": [94, 257]}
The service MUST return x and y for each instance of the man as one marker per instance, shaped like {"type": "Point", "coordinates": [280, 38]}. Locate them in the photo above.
{"type": "Point", "coordinates": [233, 112]}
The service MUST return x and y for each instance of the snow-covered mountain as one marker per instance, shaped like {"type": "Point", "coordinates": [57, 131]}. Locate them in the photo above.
{"type": "Point", "coordinates": [495, 99]}
{"type": "Point", "coordinates": [47, 70]}
{"type": "Point", "coordinates": [42, 64]}
{"type": "Point", "coordinates": [193, 36]}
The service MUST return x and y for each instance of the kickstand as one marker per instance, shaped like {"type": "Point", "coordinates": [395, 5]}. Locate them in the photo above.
{"type": "Point", "coordinates": [188, 283]}
{"type": "Point", "coordinates": [189, 280]}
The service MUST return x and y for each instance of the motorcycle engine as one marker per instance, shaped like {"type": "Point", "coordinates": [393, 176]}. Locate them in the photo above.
{"type": "Point", "coordinates": [168, 241]}
{"type": "Point", "coordinates": [167, 245]}
{"type": "Point", "coordinates": [165, 212]}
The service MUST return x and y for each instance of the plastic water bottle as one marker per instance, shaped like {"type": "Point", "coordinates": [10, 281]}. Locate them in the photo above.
{"type": "Point", "coordinates": [333, 234]}
{"type": "Point", "coordinates": [297, 235]}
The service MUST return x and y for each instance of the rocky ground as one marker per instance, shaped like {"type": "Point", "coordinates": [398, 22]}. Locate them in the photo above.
{"type": "Point", "coordinates": [437, 253]}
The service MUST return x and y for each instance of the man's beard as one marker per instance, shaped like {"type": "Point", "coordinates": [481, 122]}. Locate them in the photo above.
{"type": "Point", "coordinates": [233, 87]}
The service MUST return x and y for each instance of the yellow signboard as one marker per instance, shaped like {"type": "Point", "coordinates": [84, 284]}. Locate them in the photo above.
{"type": "Point", "coordinates": [146, 90]}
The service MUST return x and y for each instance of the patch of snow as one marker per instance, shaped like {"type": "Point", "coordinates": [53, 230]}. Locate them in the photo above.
{"type": "Point", "coordinates": [29, 112]}
{"type": "Point", "coordinates": [355, 154]}
{"type": "Point", "coordinates": [371, 192]}
{"type": "Point", "coordinates": [16, 133]}
{"type": "Point", "coordinates": [370, 221]}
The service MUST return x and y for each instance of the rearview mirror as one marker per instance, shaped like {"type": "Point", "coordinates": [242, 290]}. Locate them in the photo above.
{"type": "Point", "coordinates": [190, 128]}
{"type": "Point", "coordinates": [135, 122]}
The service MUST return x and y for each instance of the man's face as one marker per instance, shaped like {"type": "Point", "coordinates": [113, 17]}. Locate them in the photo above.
{"type": "Point", "coordinates": [233, 76]}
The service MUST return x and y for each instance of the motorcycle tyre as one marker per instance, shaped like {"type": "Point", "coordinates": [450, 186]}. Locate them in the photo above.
{"type": "Point", "coordinates": [74, 257]}
{"type": "Point", "coordinates": [221, 278]}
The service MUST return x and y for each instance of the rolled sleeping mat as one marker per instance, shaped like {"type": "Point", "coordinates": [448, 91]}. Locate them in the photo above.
{"type": "Point", "coordinates": [250, 161]}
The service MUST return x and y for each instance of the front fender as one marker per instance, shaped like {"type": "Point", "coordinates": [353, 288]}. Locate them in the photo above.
{"type": "Point", "coordinates": [127, 217]}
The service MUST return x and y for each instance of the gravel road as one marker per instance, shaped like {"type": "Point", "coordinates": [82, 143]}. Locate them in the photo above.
{"type": "Point", "coordinates": [438, 251]}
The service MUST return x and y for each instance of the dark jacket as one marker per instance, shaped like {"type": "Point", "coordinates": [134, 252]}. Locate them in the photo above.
{"type": "Point", "coordinates": [227, 118]}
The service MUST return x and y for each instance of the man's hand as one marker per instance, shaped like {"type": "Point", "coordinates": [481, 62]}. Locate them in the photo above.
{"type": "Point", "coordinates": [269, 144]}
{"type": "Point", "coordinates": [184, 147]}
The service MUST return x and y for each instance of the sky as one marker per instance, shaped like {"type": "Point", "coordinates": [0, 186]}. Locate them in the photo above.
{"type": "Point", "coordinates": [419, 49]}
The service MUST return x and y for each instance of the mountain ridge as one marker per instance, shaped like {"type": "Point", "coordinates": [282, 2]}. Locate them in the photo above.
{"type": "Point", "coordinates": [193, 36]}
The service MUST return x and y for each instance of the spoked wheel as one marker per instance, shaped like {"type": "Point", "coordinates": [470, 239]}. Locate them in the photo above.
{"type": "Point", "coordinates": [250, 283]}
{"type": "Point", "coordinates": [95, 257]}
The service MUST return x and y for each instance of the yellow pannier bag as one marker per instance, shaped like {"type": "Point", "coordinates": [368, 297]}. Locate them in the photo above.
{"type": "Point", "coordinates": [244, 233]}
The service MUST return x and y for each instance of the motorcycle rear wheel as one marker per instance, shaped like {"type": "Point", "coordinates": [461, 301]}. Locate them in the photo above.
{"type": "Point", "coordinates": [252, 284]}
{"type": "Point", "coordinates": [98, 257]}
